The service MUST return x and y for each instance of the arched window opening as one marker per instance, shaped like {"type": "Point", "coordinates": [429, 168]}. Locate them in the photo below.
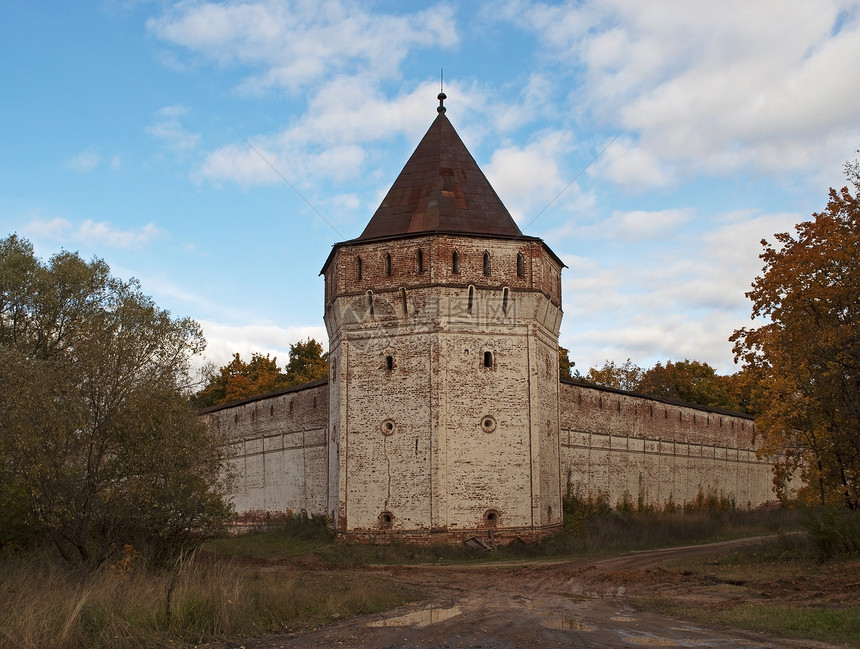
{"type": "Point", "coordinates": [491, 518]}
{"type": "Point", "coordinates": [471, 299]}
{"type": "Point", "coordinates": [420, 260]}
{"type": "Point", "coordinates": [389, 363]}
{"type": "Point", "coordinates": [486, 264]}
{"type": "Point", "coordinates": [388, 265]}
{"type": "Point", "coordinates": [455, 262]}
{"type": "Point", "coordinates": [403, 300]}
{"type": "Point", "coordinates": [488, 359]}
{"type": "Point", "coordinates": [370, 302]}
{"type": "Point", "coordinates": [505, 294]}
{"type": "Point", "coordinates": [520, 269]}
{"type": "Point", "coordinates": [358, 268]}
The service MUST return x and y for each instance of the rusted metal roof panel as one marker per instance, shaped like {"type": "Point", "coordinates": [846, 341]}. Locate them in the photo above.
{"type": "Point", "coordinates": [441, 188]}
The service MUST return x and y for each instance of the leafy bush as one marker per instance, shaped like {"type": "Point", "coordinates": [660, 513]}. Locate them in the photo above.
{"type": "Point", "coordinates": [833, 531]}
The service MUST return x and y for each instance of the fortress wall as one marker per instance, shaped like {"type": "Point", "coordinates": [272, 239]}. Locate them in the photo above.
{"type": "Point", "coordinates": [539, 273]}
{"type": "Point", "coordinates": [278, 450]}
{"type": "Point", "coordinates": [625, 445]}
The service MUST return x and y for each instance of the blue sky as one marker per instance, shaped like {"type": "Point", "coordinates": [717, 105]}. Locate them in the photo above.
{"type": "Point", "coordinates": [652, 145]}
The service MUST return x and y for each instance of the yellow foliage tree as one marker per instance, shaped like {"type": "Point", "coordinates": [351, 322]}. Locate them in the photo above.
{"type": "Point", "coordinates": [806, 359]}
{"type": "Point", "coordinates": [240, 380]}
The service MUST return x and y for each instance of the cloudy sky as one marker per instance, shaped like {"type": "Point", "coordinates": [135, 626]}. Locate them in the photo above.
{"type": "Point", "coordinates": [216, 150]}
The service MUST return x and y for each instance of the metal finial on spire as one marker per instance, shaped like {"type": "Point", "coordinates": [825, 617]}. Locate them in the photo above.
{"type": "Point", "coordinates": [441, 96]}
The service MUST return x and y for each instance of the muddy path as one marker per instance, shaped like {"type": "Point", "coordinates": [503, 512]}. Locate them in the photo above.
{"type": "Point", "coordinates": [575, 604]}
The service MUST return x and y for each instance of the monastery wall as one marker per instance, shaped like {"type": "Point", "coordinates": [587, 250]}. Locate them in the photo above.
{"type": "Point", "coordinates": [623, 445]}
{"type": "Point", "coordinates": [278, 450]}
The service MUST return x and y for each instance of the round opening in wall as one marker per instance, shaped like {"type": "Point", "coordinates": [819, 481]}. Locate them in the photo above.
{"type": "Point", "coordinates": [491, 518]}
{"type": "Point", "coordinates": [387, 427]}
{"type": "Point", "coordinates": [488, 423]}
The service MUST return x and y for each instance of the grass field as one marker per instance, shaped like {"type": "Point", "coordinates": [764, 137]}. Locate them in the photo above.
{"type": "Point", "coordinates": [781, 587]}
{"type": "Point", "coordinates": [237, 586]}
{"type": "Point", "coordinates": [127, 606]}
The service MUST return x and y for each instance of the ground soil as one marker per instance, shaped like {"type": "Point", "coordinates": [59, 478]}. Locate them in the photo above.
{"type": "Point", "coordinates": [579, 603]}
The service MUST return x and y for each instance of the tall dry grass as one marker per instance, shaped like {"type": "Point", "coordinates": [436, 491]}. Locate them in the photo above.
{"type": "Point", "coordinates": [128, 606]}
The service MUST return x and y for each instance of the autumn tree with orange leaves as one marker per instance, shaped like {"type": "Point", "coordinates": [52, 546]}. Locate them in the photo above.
{"type": "Point", "coordinates": [806, 359]}
{"type": "Point", "coordinates": [239, 380]}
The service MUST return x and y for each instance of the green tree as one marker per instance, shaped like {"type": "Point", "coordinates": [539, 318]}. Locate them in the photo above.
{"type": "Point", "coordinates": [240, 380]}
{"type": "Point", "coordinates": [806, 358]}
{"type": "Point", "coordinates": [688, 381]}
{"type": "Point", "coordinates": [307, 362]}
{"type": "Point", "coordinates": [621, 377]}
{"type": "Point", "coordinates": [99, 446]}
{"type": "Point", "coordinates": [565, 365]}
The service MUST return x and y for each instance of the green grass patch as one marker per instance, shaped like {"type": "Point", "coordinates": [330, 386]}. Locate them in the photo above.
{"type": "Point", "coordinates": [834, 625]}
{"type": "Point", "coordinates": [589, 530]}
{"type": "Point", "coordinates": [811, 599]}
{"type": "Point", "coordinates": [269, 544]}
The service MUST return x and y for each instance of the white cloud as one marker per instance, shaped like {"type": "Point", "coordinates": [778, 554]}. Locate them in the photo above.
{"type": "Point", "coordinates": [224, 340]}
{"type": "Point", "coordinates": [529, 178]}
{"type": "Point", "coordinates": [628, 164]}
{"type": "Point", "coordinates": [295, 42]}
{"type": "Point", "coordinates": [244, 165]}
{"type": "Point", "coordinates": [90, 232]}
{"type": "Point", "coordinates": [330, 142]}
{"type": "Point", "coordinates": [85, 161]}
{"type": "Point", "coordinates": [710, 88]}
{"type": "Point", "coordinates": [667, 299]}
{"type": "Point", "coordinates": [169, 129]}
{"type": "Point", "coordinates": [346, 201]}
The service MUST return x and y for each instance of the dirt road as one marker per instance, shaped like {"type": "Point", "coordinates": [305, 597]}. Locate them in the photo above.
{"type": "Point", "coordinates": [578, 604]}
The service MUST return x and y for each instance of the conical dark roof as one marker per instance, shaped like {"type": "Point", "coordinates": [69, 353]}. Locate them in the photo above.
{"type": "Point", "coordinates": [441, 189]}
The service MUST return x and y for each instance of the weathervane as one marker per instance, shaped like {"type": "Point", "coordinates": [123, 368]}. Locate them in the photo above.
{"type": "Point", "coordinates": [442, 96]}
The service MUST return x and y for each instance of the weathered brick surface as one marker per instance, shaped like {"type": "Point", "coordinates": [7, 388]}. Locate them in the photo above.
{"type": "Point", "coordinates": [618, 443]}
{"type": "Point", "coordinates": [448, 384]}
{"type": "Point", "coordinates": [278, 449]}
{"type": "Point", "coordinates": [443, 416]}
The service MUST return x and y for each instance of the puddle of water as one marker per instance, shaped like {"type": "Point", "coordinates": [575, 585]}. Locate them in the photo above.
{"type": "Point", "coordinates": [567, 623]}
{"type": "Point", "coordinates": [424, 617]}
{"type": "Point", "coordinates": [622, 618]}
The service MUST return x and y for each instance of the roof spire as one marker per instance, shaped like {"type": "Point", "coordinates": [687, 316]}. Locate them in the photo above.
{"type": "Point", "coordinates": [441, 96]}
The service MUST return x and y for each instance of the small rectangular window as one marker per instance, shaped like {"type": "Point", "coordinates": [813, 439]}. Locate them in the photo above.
{"type": "Point", "coordinates": [488, 359]}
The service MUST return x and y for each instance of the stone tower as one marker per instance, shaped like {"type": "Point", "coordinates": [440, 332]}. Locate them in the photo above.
{"type": "Point", "coordinates": [443, 323]}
